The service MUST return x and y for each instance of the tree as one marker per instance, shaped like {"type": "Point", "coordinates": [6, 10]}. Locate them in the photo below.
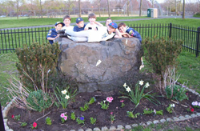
{"type": "Point", "coordinates": [79, 3]}
{"type": "Point", "coordinates": [128, 7]}
{"type": "Point", "coordinates": [183, 15]}
{"type": "Point", "coordinates": [70, 5]}
{"type": "Point", "coordinates": [108, 8]}
{"type": "Point", "coordinates": [99, 8]}
{"type": "Point", "coordinates": [140, 13]}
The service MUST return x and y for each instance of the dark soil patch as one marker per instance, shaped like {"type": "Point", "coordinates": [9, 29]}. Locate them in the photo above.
{"type": "Point", "coordinates": [102, 116]}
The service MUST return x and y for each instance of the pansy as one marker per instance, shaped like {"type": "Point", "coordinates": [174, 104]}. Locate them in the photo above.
{"type": "Point", "coordinates": [82, 118]}
{"type": "Point", "coordinates": [34, 124]}
{"type": "Point", "coordinates": [121, 101]}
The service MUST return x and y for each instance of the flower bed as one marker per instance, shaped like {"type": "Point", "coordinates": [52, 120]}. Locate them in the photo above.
{"type": "Point", "coordinates": [102, 116]}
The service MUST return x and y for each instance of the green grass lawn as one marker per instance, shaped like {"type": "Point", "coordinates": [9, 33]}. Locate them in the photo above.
{"type": "Point", "coordinates": [24, 22]}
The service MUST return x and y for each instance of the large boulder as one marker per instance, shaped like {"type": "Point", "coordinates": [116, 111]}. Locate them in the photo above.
{"type": "Point", "coordinates": [100, 66]}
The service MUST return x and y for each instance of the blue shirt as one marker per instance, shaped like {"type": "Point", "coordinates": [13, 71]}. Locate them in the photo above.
{"type": "Point", "coordinates": [52, 33]}
{"type": "Point", "coordinates": [131, 31]}
{"type": "Point", "coordinates": [77, 29]}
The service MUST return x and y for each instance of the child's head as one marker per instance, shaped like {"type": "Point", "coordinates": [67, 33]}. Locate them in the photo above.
{"type": "Point", "coordinates": [67, 20]}
{"type": "Point", "coordinates": [80, 22]}
{"type": "Point", "coordinates": [59, 25]}
{"type": "Point", "coordinates": [122, 27]}
{"type": "Point", "coordinates": [112, 27]}
{"type": "Point", "coordinates": [108, 21]}
{"type": "Point", "coordinates": [92, 18]}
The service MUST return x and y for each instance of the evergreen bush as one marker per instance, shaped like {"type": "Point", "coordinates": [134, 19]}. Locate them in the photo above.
{"type": "Point", "coordinates": [161, 54]}
{"type": "Point", "coordinates": [36, 63]}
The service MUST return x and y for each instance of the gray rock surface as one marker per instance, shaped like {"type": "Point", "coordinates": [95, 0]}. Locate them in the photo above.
{"type": "Point", "coordinates": [100, 66]}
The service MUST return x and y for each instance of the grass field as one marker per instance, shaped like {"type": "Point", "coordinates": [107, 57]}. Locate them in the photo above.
{"type": "Point", "coordinates": [24, 22]}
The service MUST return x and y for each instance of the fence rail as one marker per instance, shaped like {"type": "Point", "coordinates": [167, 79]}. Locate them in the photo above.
{"type": "Point", "coordinates": [10, 39]}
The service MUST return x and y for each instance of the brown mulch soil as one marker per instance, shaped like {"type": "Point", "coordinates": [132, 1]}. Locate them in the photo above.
{"type": "Point", "coordinates": [102, 116]}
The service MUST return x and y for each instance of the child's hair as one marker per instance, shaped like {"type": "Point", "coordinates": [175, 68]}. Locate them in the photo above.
{"type": "Point", "coordinates": [91, 15]}
{"type": "Point", "coordinates": [108, 19]}
{"type": "Point", "coordinates": [67, 17]}
{"type": "Point", "coordinates": [121, 24]}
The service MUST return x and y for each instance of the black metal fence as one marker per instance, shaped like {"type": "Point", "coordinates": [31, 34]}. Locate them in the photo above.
{"type": "Point", "coordinates": [10, 39]}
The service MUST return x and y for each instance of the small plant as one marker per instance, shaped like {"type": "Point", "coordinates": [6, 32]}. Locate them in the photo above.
{"type": "Point", "coordinates": [179, 93]}
{"type": "Point", "coordinates": [64, 96]}
{"type": "Point", "coordinates": [80, 120]}
{"type": "Point", "coordinates": [196, 104]}
{"type": "Point", "coordinates": [23, 124]}
{"type": "Point", "coordinates": [92, 100]}
{"type": "Point", "coordinates": [92, 120]}
{"type": "Point", "coordinates": [86, 107]}
{"type": "Point", "coordinates": [48, 121]}
{"type": "Point", "coordinates": [17, 117]}
{"type": "Point", "coordinates": [73, 116]}
{"type": "Point", "coordinates": [147, 111]}
{"type": "Point", "coordinates": [39, 100]}
{"type": "Point", "coordinates": [190, 109]}
{"type": "Point", "coordinates": [138, 94]}
{"type": "Point", "coordinates": [112, 117]}
{"type": "Point", "coordinates": [131, 115]}
{"type": "Point", "coordinates": [170, 108]}
{"type": "Point", "coordinates": [104, 104]}
{"type": "Point", "coordinates": [63, 117]}
{"type": "Point", "coordinates": [160, 112]}
{"type": "Point", "coordinates": [122, 103]}
{"type": "Point", "coordinates": [34, 125]}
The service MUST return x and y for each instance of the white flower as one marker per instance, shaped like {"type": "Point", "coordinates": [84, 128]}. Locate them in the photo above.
{"type": "Point", "coordinates": [199, 104]}
{"type": "Point", "coordinates": [141, 82]}
{"type": "Point", "coordinates": [195, 103]}
{"type": "Point", "coordinates": [172, 105]}
{"type": "Point", "coordinates": [147, 85]}
{"type": "Point", "coordinates": [128, 89]}
{"type": "Point", "coordinates": [67, 97]}
{"type": "Point", "coordinates": [64, 91]}
{"type": "Point", "coordinates": [124, 85]}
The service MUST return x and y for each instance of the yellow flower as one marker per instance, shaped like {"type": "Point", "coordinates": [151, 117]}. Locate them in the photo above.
{"type": "Point", "coordinates": [67, 97]}
{"type": "Point", "coordinates": [64, 91]}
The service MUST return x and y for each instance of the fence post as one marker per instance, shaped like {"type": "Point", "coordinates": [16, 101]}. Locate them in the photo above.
{"type": "Point", "coordinates": [170, 30]}
{"type": "Point", "coordinates": [197, 41]}
{"type": "Point", "coordinates": [1, 120]}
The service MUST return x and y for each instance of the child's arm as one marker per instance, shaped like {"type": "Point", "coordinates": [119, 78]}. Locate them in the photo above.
{"type": "Point", "coordinates": [51, 38]}
{"type": "Point", "coordinates": [99, 24]}
{"type": "Point", "coordinates": [118, 34]}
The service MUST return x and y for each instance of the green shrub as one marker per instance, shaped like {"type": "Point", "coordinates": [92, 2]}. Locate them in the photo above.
{"type": "Point", "coordinates": [39, 100]}
{"type": "Point", "coordinates": [48, 121]}
{"type": "Point", "coordinates": [161, 54]}
{"type": "Point", "coordinates": [36, 63]}
{"type": "Point", "coordinates": [179, 93]}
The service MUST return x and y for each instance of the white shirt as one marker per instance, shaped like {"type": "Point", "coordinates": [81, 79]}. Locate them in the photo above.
{"type": "Point", "coordinates": [93, 27]}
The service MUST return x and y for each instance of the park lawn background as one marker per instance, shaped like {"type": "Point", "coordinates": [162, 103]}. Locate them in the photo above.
{"type": "Point", "coordinates": [188, 68]}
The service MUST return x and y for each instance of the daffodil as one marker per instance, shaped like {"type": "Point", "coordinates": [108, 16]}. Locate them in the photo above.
{"type": "Point", "coordinates": [124, 85]}
{"type": "Point", "coordinates": [67, 97]}
{"type": "Point", "coordinates": [147, 85]}
{"type": "Point", "coordinates": [64, 92]}
{"type": "Point", "coordinates": [128, 89]}
{"type": "Point", "coordinates": [141, 82]}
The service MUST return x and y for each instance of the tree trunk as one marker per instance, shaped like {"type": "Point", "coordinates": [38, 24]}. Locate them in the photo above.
{"type": "Point", "coordinates": [152, 4]}
{"type": "Point", "coordinates": [140, 8]}
{"type": "Point", "coordinates": [99, 8]}
{"type": "Point", "coordinates": [108, 8]}
{"type": "Point", "coordinates": [17, 9]}
{"type": "Point", "coordinates": [183, 15]}
{"type": "Point", "coordinates": [41, 9]}
{"type": "Point", "coordinates": [79, 8]}
{"type": "Point", "coordinates": [127, 8]}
